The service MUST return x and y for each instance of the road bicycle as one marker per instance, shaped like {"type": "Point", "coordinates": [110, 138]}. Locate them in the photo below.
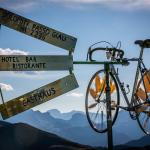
{"type": "Point", "coordinates": [95, 101]}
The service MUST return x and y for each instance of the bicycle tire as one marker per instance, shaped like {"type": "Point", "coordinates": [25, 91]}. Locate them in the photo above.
{"type": "Point", "coordinates": [143, 116]}
{"type": "Point", "coordinates": [87, 99]}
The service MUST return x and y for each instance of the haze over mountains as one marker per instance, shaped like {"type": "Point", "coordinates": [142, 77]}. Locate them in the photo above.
{"type": "Point", "coordinates": [74, 126]}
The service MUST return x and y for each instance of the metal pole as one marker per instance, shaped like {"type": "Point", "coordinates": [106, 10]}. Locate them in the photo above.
{"type": "Point", "coordinates": [108, 103]}
{"type": "Point", "coordinates": [2, 96]}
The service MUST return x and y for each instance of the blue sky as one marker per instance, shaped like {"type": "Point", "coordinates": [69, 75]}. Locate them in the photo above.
{"type": "Point", "coordinates": [87, 20]}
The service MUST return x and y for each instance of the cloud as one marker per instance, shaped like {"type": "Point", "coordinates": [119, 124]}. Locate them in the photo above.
{"type": "Point", "coordinates": [17, 5]}
{"type": "Point", "coordinates": [27, 5]}
{"type": "Point", "coordinates": [6, 87]}
{"type": "Point", "coordinates": [9, 51]}
{"type": "Point", "coordinates": [119, 4]}
{"type": "Point", "coordinates": [78, 95]}
{"type": "Point", "coordinates": [23, 6]}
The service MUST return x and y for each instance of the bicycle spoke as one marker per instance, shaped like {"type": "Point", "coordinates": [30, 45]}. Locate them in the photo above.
{"type": "Point", "coordinates": [102, 119]}
{"type": "Point", "coordinates": [92, 105]}
{"type": "Point", "coordinates": [97, 113]}
{"type": "Point", "coordinates": [96, 110]}
{"type": "Point", "coordinates": [142, 93]}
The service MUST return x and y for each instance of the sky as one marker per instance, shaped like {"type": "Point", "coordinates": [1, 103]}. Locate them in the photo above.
{"type": "Point", "coordinates": [89, 21]}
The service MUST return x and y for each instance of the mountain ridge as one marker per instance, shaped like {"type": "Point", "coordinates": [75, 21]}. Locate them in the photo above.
{"type": "Point", "coordinates": [77, 128]}
{"type": "Point", "coordinates": [21, 136]}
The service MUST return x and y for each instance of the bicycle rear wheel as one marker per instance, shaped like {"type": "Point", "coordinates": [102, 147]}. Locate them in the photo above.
{"type": "Point", "coordinates": [142, 96]}
{"type": "Point", "coordinates": [95, 102]}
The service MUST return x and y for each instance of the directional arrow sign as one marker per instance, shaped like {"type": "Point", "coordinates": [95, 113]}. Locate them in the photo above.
{"type": "Point", "coordinates": [37, 30]}
{"type": "Point", "coordinates": [35, 63]}
{"type": "Point", "coordinates": [38, 96]}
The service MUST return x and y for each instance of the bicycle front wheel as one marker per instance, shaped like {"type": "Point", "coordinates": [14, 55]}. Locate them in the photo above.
{"type": "Point", "coordinates": [95, 102]}
{"type": "Point", "coordinates": [142, 96]}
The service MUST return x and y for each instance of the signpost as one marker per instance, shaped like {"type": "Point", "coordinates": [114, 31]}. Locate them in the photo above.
{"type": "Point", "coordinates": [37, 30]}
{"type": "Point", "coordinates": [39, 63]}
{"type": "Point", "coordinates": [38, 96]}
{"type": "Point", "coordinates": [35, 62]}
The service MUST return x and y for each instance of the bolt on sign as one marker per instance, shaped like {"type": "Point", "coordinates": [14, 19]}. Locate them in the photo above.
{"type": "Point", "coordinates": [37, 30]}
{"type": "Point", "coordinates": [35, 62]}
{"type": "Point", "coordinates": [38, 96]}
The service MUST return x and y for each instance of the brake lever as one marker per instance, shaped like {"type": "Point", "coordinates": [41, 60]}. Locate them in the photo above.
{"type": "Point", "coordinates": [87, 57]}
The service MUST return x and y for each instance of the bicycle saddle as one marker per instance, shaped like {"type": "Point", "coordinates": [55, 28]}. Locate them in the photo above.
{"type": "Point", "coordinates": [144, 44]}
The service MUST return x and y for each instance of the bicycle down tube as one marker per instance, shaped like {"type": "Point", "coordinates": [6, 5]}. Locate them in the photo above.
{"type": "Point", "coordinates": [130, 104]}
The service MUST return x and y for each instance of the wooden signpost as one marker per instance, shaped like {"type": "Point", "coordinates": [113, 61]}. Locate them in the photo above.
{"type": "Point", "coordinates": [37, 30]}
{"type": "Point", "coordinates": [39, 63]}
{"type": "Point", "coordinates": [38, 96]}
{"type": "Point", "coordinates": [35, 62]}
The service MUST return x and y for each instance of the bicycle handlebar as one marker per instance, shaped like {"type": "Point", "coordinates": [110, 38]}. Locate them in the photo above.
{"type": "Point", "coordinates": [114, 52]}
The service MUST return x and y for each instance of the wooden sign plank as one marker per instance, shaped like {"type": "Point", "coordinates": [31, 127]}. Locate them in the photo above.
{"type": "Point", "coordinates": [35, 62]}
{"type": "Point", "coordinates": [37, 30]}
{"type": "Point", "coordinates": [38, 96]}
